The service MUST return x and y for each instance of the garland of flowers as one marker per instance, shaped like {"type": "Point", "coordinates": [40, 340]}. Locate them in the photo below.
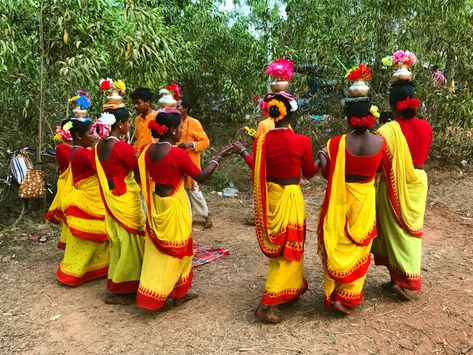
{"type": "Point", "coordinates": [362, 122]}
{"type": "Point", "coordinates": [160, 130]}
{"type": "Point", "coordinates": [360, 72]}
{"type": "Point", "coordinates": [108, 85]}
{"type": "Point", "coordinates": [281, 109]}
{"type": "Point", "coordinates": [63, 133]}
{"type": "Point", "coordinates": [82, 99]}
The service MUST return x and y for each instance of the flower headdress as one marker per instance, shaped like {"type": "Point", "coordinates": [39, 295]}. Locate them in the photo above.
{"type": "Point", "coordinates": [281, 110]}
{"type": "Point", "coordinates": [82, 99]}
{"type": "Point", "coordinates": [108, 85]}
{"type": "Point", "coordinates": [63, 133]}
{"type": "Point", "coordinates": [103, 125]}
{"type": "Point", "coordinates": [175, 90]}
{"type": "Point", "coordinates": [401, 60]}
{"type": "Point", "coordinates": [281, 69]}
{"type": "Point", "coordinates": [360, 72]}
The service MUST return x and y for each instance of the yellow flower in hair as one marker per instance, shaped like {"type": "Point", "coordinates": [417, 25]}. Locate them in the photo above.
{"type": "Point", "coordinates": [281, 107]}
{"type": "Point", "coordinates": [374, 111]}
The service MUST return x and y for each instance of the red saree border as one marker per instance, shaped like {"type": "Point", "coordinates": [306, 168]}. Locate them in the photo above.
{"type": "Point", "coordinates": [284, 296]}
{"type": "Point", "coordinates": [71, 280]}
{"type": "Point", "coordinates": [94, 237]}
{"type": "Point", "coordinates": [151, 300]}
{"type": "Point", "coordinates": [408, 281]}
{"type": "Point", "coordinates": [123, 287]}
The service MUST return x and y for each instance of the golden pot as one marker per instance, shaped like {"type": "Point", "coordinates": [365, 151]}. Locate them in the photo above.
{"type": "Point", "coordinates": [402, 73]}
{"type": "Point", "coordinates": [279, 86]}
{"type": "Point", "coordinates": [167, 100]}
{"type": "Point", "coordinates": [79, 112]}
{"type": "Point", "coordinates": [358, 88]}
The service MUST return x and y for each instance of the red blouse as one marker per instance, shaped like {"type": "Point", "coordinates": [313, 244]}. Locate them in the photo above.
{"type": "Point", "coordinates": [287, 153]}
{"type": "Point", "coordinates": [63, 156]}
{"type": "Point", "coordinates": [367, 165]}
{"type": "Point", "coordinates": [171, 169]}
{"type": "Point", "coordinates": [418, 135]}
{"type": "Point", "coordinates": [121, 161]}
{"type": "Point", "coordinates": [81, 165]}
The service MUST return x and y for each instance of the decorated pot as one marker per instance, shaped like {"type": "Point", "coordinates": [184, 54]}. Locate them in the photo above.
{"type": "Point", "coordinates": [279, 85]}
{"type": "Point", "coordinates": [115, 99]}
{"type": "Point", "coordinates": [358, 88]}
{"type": "Point", "coordinates": [79, 112]}
{"type": "Point", "coordinates": [167, 100]}
{"type": "Point", "coordinates": [402, 73]}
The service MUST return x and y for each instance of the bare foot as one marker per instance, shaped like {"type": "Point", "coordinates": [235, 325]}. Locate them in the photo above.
{"type": "Point", "coordinates": [121, 299]}
{"type": "Point", "coordinates": [208, 223]}
{"type": "Point", "coordinates": [388, 286]}
{"type": "Point", "coordinates": [400, 292]}
{"type": "Point", "coordinates": [268, 314]}
{"type": "Point", "coordinates": [341, 308]}
{"type": "Point", "coordinates": [186, 298]}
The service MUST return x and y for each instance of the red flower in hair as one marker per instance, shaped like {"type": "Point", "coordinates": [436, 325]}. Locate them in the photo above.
{"type": "Point", "coordinates": [407, 103]}
{"type": "Point", "coordinates": [363, 122]}
{"type": "Point", "coordinates": [156, 127]}
{"type": "Point", "coordinates": [175, 90]}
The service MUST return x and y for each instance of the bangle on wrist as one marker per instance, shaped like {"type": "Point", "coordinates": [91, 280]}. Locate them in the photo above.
{"type": "Point", "coordinates": [214, 161]}
{"type": "Point", "coordinates": [242, 150]}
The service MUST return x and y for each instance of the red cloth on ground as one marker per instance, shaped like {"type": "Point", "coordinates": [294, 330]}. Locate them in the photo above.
{"type": "Point", "coordinates": [287, 153]}
{"type": "Point", "coordinates": [418, 135]}
{"type": "Point", "coordinates": [63, 156]}
{"type": "Point", "coordinates": [367, 165]}
{"type": "Point", "coordinates": [81, 165]}
{"type": "Point", "coordinates": [122, 159]}
{"type": "Point", "coordinates": [171, 169]}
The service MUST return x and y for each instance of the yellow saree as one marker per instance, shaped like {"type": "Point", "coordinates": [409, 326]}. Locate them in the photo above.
{"type": "Point", "coordinates": [401, 199]}
{"type": "Point", "coordinates": [280, 230]}
{"type": "Point", "coordinates": [347, 225]}
{"type": "Point", "coordinates": [125, 225]}
{"type": "Point", "coordinates": [86, 256]}
{"type": "Point", "coordinates": [167, 261]}
{"type": "Point", "coordinates": [55, 212]}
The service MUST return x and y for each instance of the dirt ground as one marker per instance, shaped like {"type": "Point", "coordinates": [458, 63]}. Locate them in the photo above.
{"type": "Point", "coordinates": [39, 316]}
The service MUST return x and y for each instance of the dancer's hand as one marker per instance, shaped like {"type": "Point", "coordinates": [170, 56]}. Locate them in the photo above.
{"type": "Point", "coordinates": [238, 147]}
{"type": "Point", "coordinates": [186, 145]}
{"type": "Point", "coordinates": [226, 151]}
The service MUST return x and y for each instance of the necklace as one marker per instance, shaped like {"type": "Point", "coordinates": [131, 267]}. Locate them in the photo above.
{"type": "Point", "coordinates": [164, 142]}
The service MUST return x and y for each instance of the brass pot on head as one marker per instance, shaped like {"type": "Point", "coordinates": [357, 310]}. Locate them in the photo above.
{"type": "Point", "coordinates": [402, 73]}
{"type": "Point", "coordinates": [167, 100]}
{"type": "Point", "coordinates": [279, 85]}
{"type": "Point", "coordinates": [115, 99]}
{"type": "Point", "coordinates": [358, 88]}
{"type": "Point", "coordinates": [79, 112]}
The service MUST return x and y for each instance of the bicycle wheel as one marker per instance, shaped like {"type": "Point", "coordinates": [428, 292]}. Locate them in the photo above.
{"type": "Point", "coordinates": [4, 189]}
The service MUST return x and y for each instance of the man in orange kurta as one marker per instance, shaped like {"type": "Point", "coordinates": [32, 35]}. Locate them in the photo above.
{"type": "Point", "coordinates": [142, 98]}
{"type": "Point", "coordinates": [194, 140]}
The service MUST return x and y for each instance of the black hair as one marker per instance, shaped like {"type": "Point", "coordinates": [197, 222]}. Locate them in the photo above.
{"type": "Point", "coordinates": [170, 120]}
{"type": "Point", "coordinates": [186, 104]}
{"type": "Point", "coordinates": [121, 115]}
{"type": "Point", "coordinates": [274, 110]}
{"type": "Point", "coordinates": [401, 90]}
{"type": "Point", "coordinates": [144, 94]}
{"type": "Point", "coordinates": [80, 128]}
{"type": "Point", "coordinates": [357, 108]}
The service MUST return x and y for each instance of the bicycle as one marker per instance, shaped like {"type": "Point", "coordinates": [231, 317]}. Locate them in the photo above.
{"type": "Point", "coordinates": [9, 180]}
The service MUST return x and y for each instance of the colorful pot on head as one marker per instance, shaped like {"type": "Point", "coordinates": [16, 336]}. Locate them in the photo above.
{"type": "Point", "coordinates": [79, 112]}
{"type": "Point", "coordinates": [358, 88]}
{"type": "Point", "coordinates": [115, 99]}
{"type": "Point", "coordinates": [167, 100]}
{"type": "Point", "coordinates": [403, 73]}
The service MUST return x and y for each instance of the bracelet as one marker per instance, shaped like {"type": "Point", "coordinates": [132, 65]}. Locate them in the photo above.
{"type": "Point", "coordinates": [242, 150]}
{"type": "Point", "coordinates": [216, 162]}
{"type": "Point", "coordinates": [323, 153]}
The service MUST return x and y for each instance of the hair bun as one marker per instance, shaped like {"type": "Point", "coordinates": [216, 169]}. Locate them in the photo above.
{"type": "Point", "coordinates": [274, 112]}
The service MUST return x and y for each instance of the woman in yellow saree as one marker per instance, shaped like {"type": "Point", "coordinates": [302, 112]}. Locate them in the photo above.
{"type": "Point", "coordinates": [116, 165]}
{"type": "Point", "coordinates": [86, 255]}
{"type": "Point", "coordinates": [55, 212]}
{"type": "Point", "coordinates": [402, 191]}
{"type": "Point", "coordinates": [167, 262]}
{"type": "Point", "coordinates": [347, 223]}
{"type": "Point", "coordinates": [278, 158]}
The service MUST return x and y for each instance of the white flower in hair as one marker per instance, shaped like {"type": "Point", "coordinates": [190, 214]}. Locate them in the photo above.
{"type": "Point", "coordinates": [107, 119]}
{"type": "Point", "coordinates": [294, 105]}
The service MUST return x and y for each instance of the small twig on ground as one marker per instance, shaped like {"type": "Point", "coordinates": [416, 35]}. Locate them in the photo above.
{"type": "Point", "coordinates": [52, 304]}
